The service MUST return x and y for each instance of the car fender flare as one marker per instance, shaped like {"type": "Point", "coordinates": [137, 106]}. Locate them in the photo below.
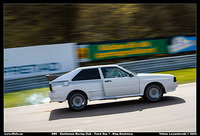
{"type": "Point", "coordinates": [76, 91]}
{"type": "Point", "coordinates": [158, 83]}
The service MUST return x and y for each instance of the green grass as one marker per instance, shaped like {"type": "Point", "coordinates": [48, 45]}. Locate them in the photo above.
{"type": "Point", "coordinates": [22, 98]}
{"type": "Point", "coordinates": [183, 76]}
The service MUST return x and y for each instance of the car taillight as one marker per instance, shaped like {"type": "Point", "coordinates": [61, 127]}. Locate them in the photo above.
{"type": "Point", "coordinates": [175, 79]}
{"type": "Point", "coordinates": [50, 87]}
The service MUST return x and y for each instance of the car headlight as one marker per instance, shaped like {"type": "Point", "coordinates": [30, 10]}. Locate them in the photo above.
{"type": "Point", "coordinates": [60, 84]}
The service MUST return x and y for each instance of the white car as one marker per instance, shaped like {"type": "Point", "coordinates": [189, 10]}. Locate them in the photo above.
{"type": "Point", "coordinates": [108, 82]}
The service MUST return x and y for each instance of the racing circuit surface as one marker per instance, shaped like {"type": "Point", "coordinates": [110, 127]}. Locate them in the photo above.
{"type": "Point", "coordinates": [176, 112]}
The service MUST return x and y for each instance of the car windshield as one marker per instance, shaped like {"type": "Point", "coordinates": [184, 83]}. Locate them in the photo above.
{"type": "Point", "coordinates": [130, 71]}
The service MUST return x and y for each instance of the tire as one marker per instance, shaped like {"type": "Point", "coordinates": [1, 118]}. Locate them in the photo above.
{"type": "Point", "coordinates": [153, 93]}
{"type": "Point", "coordinates": [77, 101]}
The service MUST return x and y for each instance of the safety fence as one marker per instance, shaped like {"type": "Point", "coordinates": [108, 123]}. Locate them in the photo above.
{"type": "Point", "coordinates": [144, 66]}
{"type": "Point", "coordinates": [161, 64]}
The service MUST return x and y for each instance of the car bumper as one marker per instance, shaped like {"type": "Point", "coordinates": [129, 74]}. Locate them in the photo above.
{"type": "Point", "coordinates": [54, 97]}
{"type": "Point", "coordinates": [172, 87]}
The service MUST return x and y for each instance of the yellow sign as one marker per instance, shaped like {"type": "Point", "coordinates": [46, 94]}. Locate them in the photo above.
{"type": "Point", "coordinates": [124, 46]}
{"type": "Point", "coordinates": [125, 53]}
{"type": "Point", "coordinates": [83, 53]}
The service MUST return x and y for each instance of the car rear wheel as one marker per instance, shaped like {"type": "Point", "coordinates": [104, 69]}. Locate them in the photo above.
{"type": "Point", "coordinates": [153, 93]}
{"type": "Point", "coordinates": [77, 101]}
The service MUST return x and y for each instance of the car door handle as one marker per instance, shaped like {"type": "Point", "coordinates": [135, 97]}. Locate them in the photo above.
{"type": "Point", "coordinates": [108, 80]}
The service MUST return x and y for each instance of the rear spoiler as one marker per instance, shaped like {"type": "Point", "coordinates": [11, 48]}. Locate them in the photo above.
{"type": "Point", "coordinates": [51, 77]}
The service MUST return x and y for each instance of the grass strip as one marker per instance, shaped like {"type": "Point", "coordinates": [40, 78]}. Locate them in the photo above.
{"type": "Point", "coordinates": [183, 76]}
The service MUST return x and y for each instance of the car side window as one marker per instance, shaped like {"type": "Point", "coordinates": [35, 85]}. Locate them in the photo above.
{"type": "Point", "coordinates": [113, 72]}
{"type": "Point", "coordinates": [87, 74]}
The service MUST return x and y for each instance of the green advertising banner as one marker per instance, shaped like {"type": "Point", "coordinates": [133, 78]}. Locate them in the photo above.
{"type": "Point", "coordinates": [127, 49]}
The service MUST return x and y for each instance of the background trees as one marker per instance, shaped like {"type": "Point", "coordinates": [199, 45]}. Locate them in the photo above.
{"type": "Point", "coordinates": [40, 24]}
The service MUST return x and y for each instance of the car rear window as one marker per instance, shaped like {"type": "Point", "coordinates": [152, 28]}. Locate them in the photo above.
{"type": "Point", "coordinates": [87, 74]}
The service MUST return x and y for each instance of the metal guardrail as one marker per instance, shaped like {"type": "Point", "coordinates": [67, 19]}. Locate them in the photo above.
{"type": "Point", "coordinates": [161, 64]}
{"type": "Point", "coordinates": [26, 83]}
{"type": "Point", "coordinates": [142, 66]}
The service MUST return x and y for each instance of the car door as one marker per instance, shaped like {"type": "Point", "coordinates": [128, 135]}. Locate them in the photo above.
{"type": "Point", "coordinates": [118, 82]}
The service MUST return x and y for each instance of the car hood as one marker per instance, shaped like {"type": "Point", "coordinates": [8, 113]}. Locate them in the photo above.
{"type": "Point", "coordinates": [152, 75]}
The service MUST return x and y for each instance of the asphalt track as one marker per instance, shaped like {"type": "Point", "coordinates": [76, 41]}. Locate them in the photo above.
{"type": "Point", "coordinates": [176, 112]}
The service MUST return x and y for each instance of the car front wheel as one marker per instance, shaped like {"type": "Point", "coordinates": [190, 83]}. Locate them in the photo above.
{"type": "Point", "coordinates": [77, 101]}
{"type": "Point", "coordinates": [153, 93]}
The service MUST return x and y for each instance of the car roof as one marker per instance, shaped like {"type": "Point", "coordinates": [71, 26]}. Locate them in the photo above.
{"type": "Point", "coordinates": [113, 65]}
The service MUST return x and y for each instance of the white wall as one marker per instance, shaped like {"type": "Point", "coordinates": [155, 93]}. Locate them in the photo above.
{"type": "Point", "coordinates": [39, 60]}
